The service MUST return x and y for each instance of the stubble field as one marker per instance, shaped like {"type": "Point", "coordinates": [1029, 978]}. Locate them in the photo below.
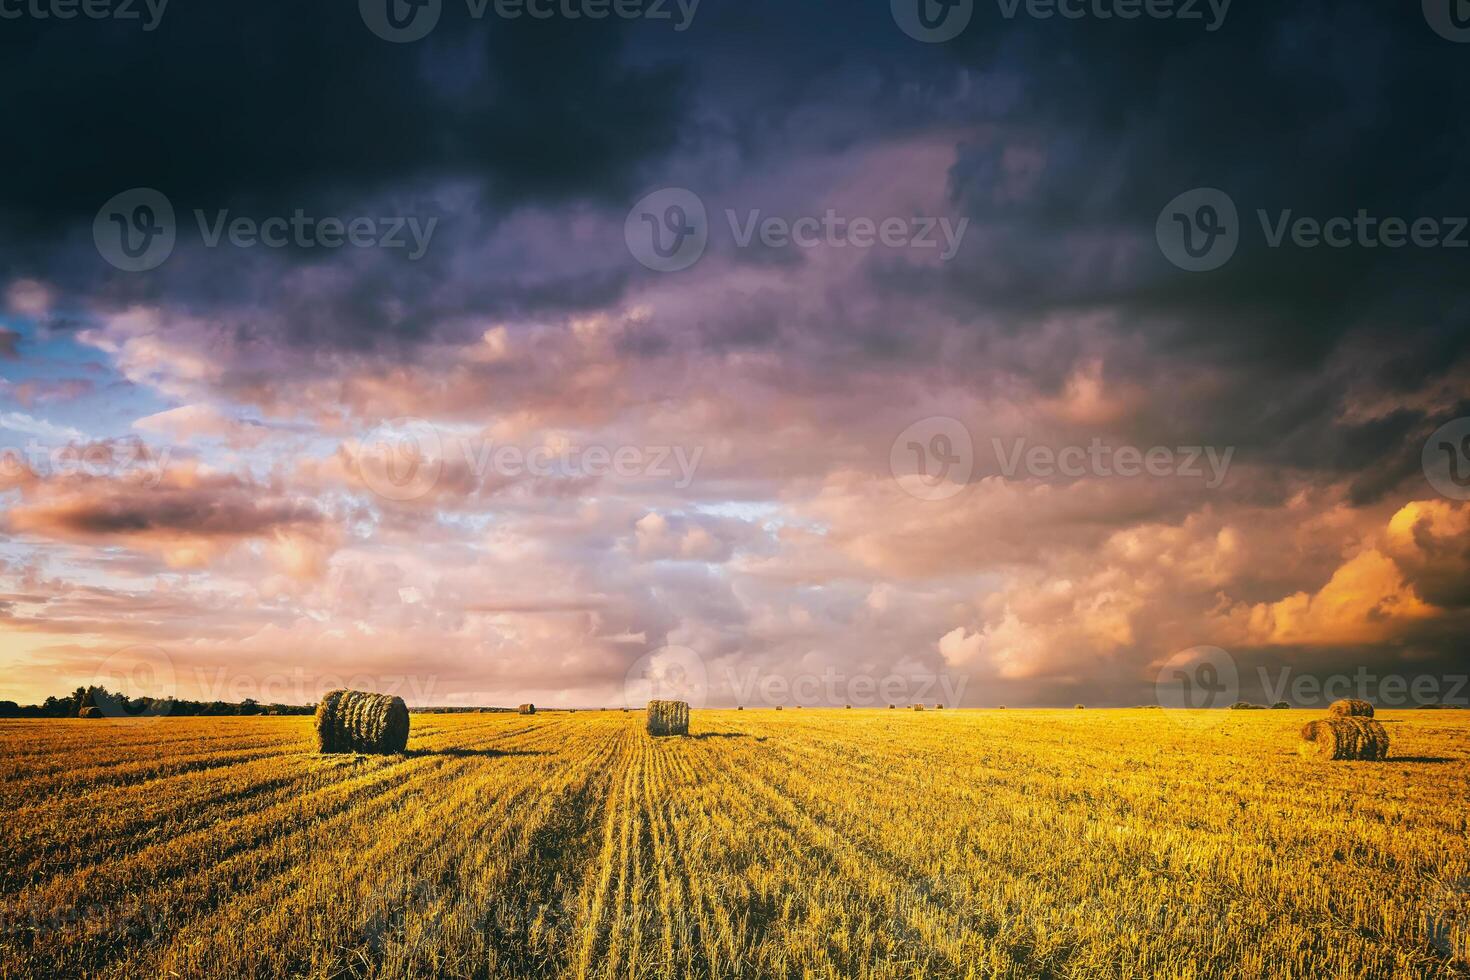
{"type": "Point", "coordinates": [794, 844]}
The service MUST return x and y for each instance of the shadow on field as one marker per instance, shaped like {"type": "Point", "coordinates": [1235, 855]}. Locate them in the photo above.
{"type": "Point", "coordinates": [727, 735]}
{"type": "Point", "coordinates": [468, 753]}
{"type": "Point", "coordinates": [1422, 760]}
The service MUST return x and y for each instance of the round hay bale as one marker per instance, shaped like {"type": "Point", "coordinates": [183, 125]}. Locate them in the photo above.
{"type": "Point", "coordinates": [778, 707]}
{"type": "Point", "coordinates": [740, 708]}
{"type": "Point", "coordinates": [527, 709]}
{"type": "Point", "coordinates": [91, 711]}
{"type": "Point", "coordinates": [918, 707]}
{"type": "Point", "coordinates": [668, 718]}
{"type": "Point", "coordinates": [355, 721]}
{"type": "Point", "coordinates": [1350, 738]}
{"type": "Point", "coordinates": [939, 707]}
{"type": "Point", "coordinates": [1351, 708]}
{"type": "Point", "coordinates": [1081, 707]}
{"type": "Point", "coordinates": [892, 706]}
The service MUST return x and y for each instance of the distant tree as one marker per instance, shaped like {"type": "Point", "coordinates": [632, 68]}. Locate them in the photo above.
{"type": "Point", "coordinates": [9, 709]}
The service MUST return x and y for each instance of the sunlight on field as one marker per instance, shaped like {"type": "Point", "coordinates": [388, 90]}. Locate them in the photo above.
{"type": "Point", "coordinates": [862, 843]}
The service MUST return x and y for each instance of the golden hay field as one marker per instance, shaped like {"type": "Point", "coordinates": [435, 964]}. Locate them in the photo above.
{"type": "Point", "coordinates": [864, 843]}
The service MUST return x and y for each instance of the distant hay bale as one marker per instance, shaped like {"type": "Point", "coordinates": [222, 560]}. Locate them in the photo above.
{"type": "Point", "coordinates": [1081, 707]}
{"type": "Point", "coordinates": [1001, 708]}
{"type": "Point", "coordinates": [892, 706]}
{"type": "Point", "coordinates": [354, 721]}
{"type": "Point", "coordinates": [918, 707]}
{"type": "Point", "coordinates": [778, 707]}
{"type": "Point", "coordinates": [668, 718]}
{"type": "Point", "coordinates": [527, 709]}
{"type": "Point", "coordinates": [740, 708]}
{"type": "Point", "coordinates": [1351, 708]}
{"type": "Point", "coordinates": [939, 707]}
{"type": "Point", "coordinates": [848, 707]}
{"type": "Point", "coordinates": [1349, 738]}
{"type": "Point", "coordinates": [91, 711]}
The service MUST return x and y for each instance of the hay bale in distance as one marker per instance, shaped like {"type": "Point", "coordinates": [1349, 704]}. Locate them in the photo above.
{"type": "Point", "coordinates": [90, 711]}
{"type": "Point", "coordinates": [1349, 738]}
{"type": "Point", "coordinates": [668, 718]}
{"type": "Point", "coordinates": [1351, 708]}
{"type": "Point", "coordinates": [1081, 707]}
{"type": "Point", "coordinates": [918, 707]}
{"type": "Point", "coordinates": [939, 707]}
{"type": "Point", "coordinates": [778, 707]}
{"type": "Point", "coordinates": [355, 721]}
{"type": "Point", "coordinates": [527, 709]}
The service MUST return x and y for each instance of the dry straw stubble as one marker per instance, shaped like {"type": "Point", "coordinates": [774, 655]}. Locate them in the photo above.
{"type": "Point", "coordinates": [355, 721]}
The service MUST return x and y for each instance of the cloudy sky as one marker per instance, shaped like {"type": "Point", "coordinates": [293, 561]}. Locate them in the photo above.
{"type": "Point", "coordinates": [746, 340]}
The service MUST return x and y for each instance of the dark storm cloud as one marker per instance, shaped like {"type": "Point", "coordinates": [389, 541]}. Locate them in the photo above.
{"type": "Point", "coordinates": [231, 102]}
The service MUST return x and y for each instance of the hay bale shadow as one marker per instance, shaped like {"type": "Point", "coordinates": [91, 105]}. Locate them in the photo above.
{"type": "Point", "coordinates": [458, 753]}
